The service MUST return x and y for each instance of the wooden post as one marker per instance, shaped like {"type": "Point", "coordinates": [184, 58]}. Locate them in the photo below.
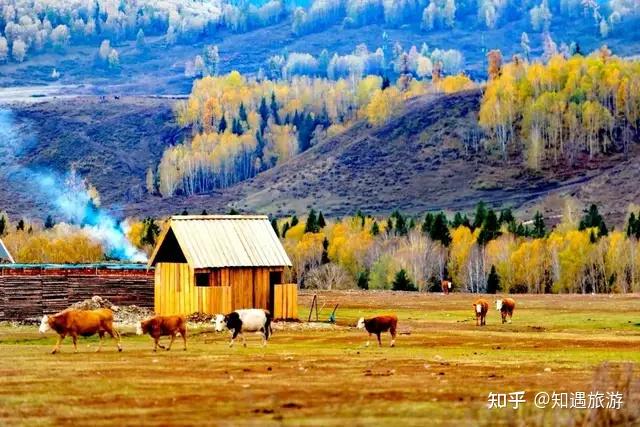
{"type": "Point", "coordinates": [314, 301]}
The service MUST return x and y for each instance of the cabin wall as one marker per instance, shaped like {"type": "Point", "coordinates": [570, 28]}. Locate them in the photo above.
{"type": "Point", "coordinates": [229, 289]}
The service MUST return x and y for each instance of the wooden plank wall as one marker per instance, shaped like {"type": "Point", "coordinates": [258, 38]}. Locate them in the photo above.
{"type": "Point", "coordinates": [176, 292]}
{"type": "Point", "coordinates": [24, 297]}
{"type": "Point", "coordinates": [285, 302]}
{"type": "Point", "coordinates": [230, 289]}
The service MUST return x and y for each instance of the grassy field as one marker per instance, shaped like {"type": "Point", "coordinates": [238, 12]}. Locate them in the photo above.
{"type": "Point", "coordinates": [440, 372]}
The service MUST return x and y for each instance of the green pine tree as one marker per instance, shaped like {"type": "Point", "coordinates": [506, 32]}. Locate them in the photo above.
{"type": "Point", "coordinates": [222, 126]}
{"type": "Point", "coordinates": [362, 280]}
{"type": "Point", "coordinates": [631, 225]}
{"type": "Point", "coordinates": [311, 225]}
{"type": "Point", "coordinates": [539, 227]}
{"type": "Point", "coordinates": [49, 223]}
{"type": "Point", "coordinates": [440, 230]}
{"type": "Point", "coordinates": [480, 216]}
{"type": "Point", "coordinates": [321, 221]}
{"type": "Point", "coordinates": [402, 282]}
{"type": "Point", "coordinates": [592, 218]}
{"type": "Point", "coordinates": [375, 229]}
{"type": "Point", "coordinates": [428, 222]}
{"type": "Point", "coordinates": [325, 251]}
{"type": "Point", "coordinates": [506, 216]}
{"type": "Point", "coordinates": [460, 219]}
{"type": "Point", "coordinates": [493, 281]}
{"type": "Point", "coordinates": [490, 228]}
{"type": "Point", "coordinates": [274, 224]}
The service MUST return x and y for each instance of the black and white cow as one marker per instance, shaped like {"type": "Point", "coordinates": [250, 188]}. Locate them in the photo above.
{"type": "Point", "coordinates": [245, 320]}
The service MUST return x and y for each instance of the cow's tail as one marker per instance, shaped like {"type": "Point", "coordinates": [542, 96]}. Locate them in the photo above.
{"type": "Point", "coordinates": [268, 330]}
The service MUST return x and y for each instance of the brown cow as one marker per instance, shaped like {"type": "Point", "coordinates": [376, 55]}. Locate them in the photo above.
{"type": "Point", "coordinates": [481, 307]}
{"type": "Point", "coordinates": [162, 326]}
{"type": "Point", "coordinates": [446, 286]}
{"type": "Point", "coordinates": [506, 306]}
{"type": "Point", "coordinates": [379, 324]}
{"type": "Point", "coordinates": [80, 322]}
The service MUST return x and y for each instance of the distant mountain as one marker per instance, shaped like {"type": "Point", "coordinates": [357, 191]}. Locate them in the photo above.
{"type": "Point", "coordinates": [161, 68]}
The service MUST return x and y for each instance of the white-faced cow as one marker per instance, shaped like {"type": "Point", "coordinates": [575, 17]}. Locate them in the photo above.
{"type": "Point", "coordinates": [481, 307]}
{"type": "Point", "coordinates": [378, 325]}
{"type": "Point", "coordinates": [245, 320]}
{"type": "Point", "coordinates": [80, 323]}
{"type": "Point", "coordinates": [506, 306]}
{"type": "Point", "coordinates": [162, 326]}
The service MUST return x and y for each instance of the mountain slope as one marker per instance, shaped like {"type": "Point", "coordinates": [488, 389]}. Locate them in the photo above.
{"type": "Point", "coordinates": [418, 162]}
{"type": "Point", "coordinates": [421, 160]}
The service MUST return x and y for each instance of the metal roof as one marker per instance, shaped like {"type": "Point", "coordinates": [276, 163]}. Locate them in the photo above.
{"type": "Point", "coordinates": [217, 241]}
{"type": "Point", "coordinates": [4, 253]}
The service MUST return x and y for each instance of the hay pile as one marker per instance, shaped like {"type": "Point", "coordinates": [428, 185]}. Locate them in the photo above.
{"type": "Point", "coordinates": [127, 314]}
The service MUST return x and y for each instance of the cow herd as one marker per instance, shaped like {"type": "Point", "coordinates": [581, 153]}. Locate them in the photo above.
{"type": "Point", "coordinates": [75, 323]}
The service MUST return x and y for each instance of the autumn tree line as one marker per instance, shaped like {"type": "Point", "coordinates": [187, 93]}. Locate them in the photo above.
{"type": "Point", "coordinates": [243, 126]}
{"type": "Point", "coordinates": [562, 111]}
{"type": "Point", "coordinates": [488, 252]}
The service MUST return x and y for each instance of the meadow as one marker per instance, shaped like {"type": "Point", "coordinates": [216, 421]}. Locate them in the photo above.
{"type": "Point", "coordinates": [440, 372]}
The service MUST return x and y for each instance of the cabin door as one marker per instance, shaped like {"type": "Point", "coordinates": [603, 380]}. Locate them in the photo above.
{"type": "Point", "coordinates": [275, 278]}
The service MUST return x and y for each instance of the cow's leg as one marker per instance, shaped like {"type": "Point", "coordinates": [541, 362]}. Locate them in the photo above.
{"type": "Point", "coordinates": [244, 339]}
{"type": "Point", "coordinates": [173, 337]}
{"type": "Point", "coordinates": [504, 316]}
{"type": "Point", "coordinates": [379, 341]}
{"type": "Point", "coordinates": [393, 336]}
{"type": "Point", "coordinates": [115, 335]}
{"type": "Point", "coordinates": [234, 335]}
{"type": "Point", "coordinates": [101, 336]}
{"type": "Point", "coordinates": [484, 320]}
{"type": "Point", "coordinates": [57, 346]}
{"type": "Point", "coordinates": [510, 316]}
{"type": "Point", "coordinates": [74, 337]}
{"type": "Point", "coordinates": [183, 332]}
{"type": "Point", "coordinates": [156, 343]}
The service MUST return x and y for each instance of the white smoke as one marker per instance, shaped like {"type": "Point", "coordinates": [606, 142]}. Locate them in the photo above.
{"type": "Point", "coordinates": [69, 195]}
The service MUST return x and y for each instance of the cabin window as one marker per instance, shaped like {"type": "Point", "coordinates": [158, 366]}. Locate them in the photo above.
{"type": "Point", "coordinates": [202, 279]}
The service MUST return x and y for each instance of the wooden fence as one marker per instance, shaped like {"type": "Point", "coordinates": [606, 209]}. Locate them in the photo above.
{"type": "Point", "coordinates": [28, 294]}
{"type": "Point", "coordinates": [285, 302]}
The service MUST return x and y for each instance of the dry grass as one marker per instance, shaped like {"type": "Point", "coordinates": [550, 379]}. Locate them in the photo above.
{"type": "Point", "coordinates": [440, 373]}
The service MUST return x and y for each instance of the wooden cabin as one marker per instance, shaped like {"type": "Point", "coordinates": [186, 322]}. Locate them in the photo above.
{"type": "Point", "coordinates": [5, 256]}
{"type": "Point", "coordinates": [219, 263]}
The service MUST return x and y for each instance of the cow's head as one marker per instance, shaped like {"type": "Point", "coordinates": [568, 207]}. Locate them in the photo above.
{"type": "Point", "coordinates": [360, 324]}
{"type": "Point", "coordinates": [220, 322]}
{"type": "Point", "coordinates": [498, 304]}
{"type": "Point", "coordinates": [44, 324]}
{"type": "Point", "coordinates": [478, 308]}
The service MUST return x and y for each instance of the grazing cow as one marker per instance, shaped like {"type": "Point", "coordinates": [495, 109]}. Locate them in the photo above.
{"type": "Point", "coordinates": [446, 286]}
{"type": "Point", "coordinates": [481, 307]}
{"type": "Point", "coordinates": [506, 306]}
{"type": "Point", "coordinates": [379, 324]}
{"type": "Point", "coordinates": [245, 320]}
{"type": "Point", "coordinates": [162, 326]}
{"type": "Point", "coordinates": [80, 322]}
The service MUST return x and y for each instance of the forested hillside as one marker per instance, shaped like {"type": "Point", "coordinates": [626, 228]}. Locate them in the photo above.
{"type": "Point", "coordinates": [161, 47]}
